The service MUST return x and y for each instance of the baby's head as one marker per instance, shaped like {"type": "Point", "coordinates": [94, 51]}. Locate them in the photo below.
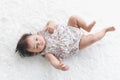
{"type": "Point", "coordinates": [30, 44]}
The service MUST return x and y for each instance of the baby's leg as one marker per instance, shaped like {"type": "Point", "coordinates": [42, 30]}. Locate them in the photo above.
{"type": "Point", "coordinates": [92, 38]}
{"type": "Point", "coordinates": [78, 22]}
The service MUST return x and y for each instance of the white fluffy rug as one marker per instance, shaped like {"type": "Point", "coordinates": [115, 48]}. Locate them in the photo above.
{"type": "Point", "coordinates": [100, 61]}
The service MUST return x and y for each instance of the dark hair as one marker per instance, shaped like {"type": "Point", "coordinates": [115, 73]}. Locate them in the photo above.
{"type": "Point", "coordinates": [22, 46]}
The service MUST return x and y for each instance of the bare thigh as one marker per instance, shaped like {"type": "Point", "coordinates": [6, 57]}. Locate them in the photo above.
{"type": "Point", "coordinates": [89, 39]}
{"type": "Point", "coordinates": [86, 40]}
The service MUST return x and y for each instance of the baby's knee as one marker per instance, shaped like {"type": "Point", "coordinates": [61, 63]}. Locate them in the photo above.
{"type": "Point", "coordinates": [73, 18]}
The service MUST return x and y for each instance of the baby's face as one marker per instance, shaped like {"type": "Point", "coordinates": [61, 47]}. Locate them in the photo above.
{"type": "Point", "coordinates": [36, 43]}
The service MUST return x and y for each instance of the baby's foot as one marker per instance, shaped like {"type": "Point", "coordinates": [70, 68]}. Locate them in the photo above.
{"type": "Point", "coordinates": [90, 26]}
{"type": "Point", "coordinates": [112, 28]}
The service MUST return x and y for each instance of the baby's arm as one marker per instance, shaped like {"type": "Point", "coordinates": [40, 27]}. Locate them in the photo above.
{"type": "Point", "coordinates": [50, 26]}
{"type": "Point", "coordinates": [55, 62]}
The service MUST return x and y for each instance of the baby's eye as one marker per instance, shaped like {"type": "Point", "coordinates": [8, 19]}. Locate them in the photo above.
{"type": "Point", "coordinates": [36, 39]}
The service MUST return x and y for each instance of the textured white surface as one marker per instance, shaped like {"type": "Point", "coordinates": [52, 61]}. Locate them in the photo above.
{"type": "Point", "coordinates": [100, 61]}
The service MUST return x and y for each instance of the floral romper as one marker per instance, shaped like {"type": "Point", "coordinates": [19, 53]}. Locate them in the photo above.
{"type": "Point", "coordinates": [63, 42]}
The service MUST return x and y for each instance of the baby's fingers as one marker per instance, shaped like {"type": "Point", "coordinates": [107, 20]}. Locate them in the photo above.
{"type": "Point", "coordinates": [51, 30]}
{"type": "Point", "coordinates": [64, 67]}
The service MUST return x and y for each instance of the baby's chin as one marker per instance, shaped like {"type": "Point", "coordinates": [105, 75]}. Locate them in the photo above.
{"type": "Point", "coordinates": [41, 50]}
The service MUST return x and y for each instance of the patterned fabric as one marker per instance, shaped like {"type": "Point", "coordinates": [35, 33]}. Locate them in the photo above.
{"type": "Point", "coordinates": [63, 42]}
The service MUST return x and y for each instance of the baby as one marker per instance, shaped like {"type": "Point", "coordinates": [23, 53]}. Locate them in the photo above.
{"type": "Point", "coordinates": [57, 42]}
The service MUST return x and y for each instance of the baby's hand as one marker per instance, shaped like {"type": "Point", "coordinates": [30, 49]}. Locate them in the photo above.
{"type": "Point", "coordinates": [63, 66]}
{"type": "Point", "coordinates": [50, 29]}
